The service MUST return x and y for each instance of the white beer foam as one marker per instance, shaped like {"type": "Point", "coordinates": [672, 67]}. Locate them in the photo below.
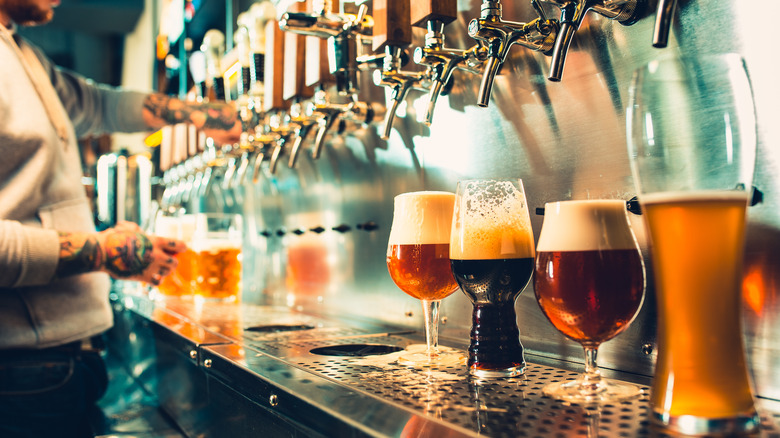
{"type": "Point", "coordinates": [585, 226]}
{"type": "Point", "coordinates": [422, 218]}
{"type": "Point", "coordinates": [493, 230]}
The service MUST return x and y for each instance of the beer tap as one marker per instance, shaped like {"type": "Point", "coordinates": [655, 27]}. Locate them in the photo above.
{"type": "Point", "coordinates": [283, 132]}
{"type": "Point", "coordinates": [498, 36]}
{"type": "Point", "coordinates": [341, 32]}
{"type": "Point", "coordinates": [663, 22]}
{"type": "Point", "coordinates": [304, 119]}
{"type": "Point", "coordinates": [213, 47]}
{"type": "Point", "coordinates": [626, 12]}
{"type": "Point", "coordinates": [442, 61]}
{"type": "Point", "coordinates": [197, 63]}
{"type": "Point", "coordinates": [393, 32]}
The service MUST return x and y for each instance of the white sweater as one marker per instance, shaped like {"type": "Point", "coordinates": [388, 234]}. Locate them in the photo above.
{"type": "Point", "coordinates": [41, 193]}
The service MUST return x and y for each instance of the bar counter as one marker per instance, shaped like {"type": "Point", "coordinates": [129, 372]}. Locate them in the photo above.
{"type": "Point", "coordinates": [247, 370]}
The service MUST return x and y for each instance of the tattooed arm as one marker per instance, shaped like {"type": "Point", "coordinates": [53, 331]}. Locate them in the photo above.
{"type": "Point", "coordinates": [219, 120]}
{"type": "Point", "coordinates": [124, 252]}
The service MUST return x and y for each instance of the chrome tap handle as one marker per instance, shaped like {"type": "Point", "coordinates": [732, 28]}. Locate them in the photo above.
{"type": "Point", "coordinates": [400, 83]}
{"type": "Point", "coordinates": [329, 116]}
{"type": "Point", "coordinates": [499, 35]}
{"type": "Point", "coordinates": [571, 17]}
{"type": "Point", "coordinates": [663, 22]}
{"type": "Point", "coordinates": [284, 133]}
{"type": "Point", "coordinates": [626, 12]}
{"type": "Point", "coordinates": [302, 131]}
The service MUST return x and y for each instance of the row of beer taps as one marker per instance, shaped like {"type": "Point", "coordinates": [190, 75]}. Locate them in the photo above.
{"type": "Point", "coordinates": [355, 43]}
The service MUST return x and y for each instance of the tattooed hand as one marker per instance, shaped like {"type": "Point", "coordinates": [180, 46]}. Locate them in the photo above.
{"type": "Point", "coordinates": [218, 120]}
{"type": "Point", "coordinates": [124, 251]}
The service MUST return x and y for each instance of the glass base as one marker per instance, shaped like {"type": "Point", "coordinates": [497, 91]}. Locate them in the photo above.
{"type": "Point", "coordinates": [742, 424]}
{"type": "Point", "coordinates": [416, 355]}
{"type": "Point", "coordinates": [512, 371]}
{"type": "Point", "coordinates": [605, 391]}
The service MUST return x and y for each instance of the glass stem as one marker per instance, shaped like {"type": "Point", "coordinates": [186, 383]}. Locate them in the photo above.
{"type": "Point", "coordinates": [431, 312]}
{"type": "Point", "coordinates": [591, 379]}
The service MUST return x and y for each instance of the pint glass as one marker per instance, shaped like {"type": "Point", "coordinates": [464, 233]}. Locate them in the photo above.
{"type": "Point", "coordinates": [217, 245]}
{"type": "Point", "coordinates": [178, 283]}
{"type": "Point", "coordinates": [692, 141]}
{"type": "Point", "coordinates": [492, 257]}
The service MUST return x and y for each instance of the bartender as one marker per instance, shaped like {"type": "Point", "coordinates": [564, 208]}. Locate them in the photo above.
{"type": "Point", "coordinates": [54, 266]}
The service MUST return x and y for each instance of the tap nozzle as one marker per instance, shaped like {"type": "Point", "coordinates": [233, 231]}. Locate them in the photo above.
{"type": "Point", "coordinates": [399, 82]}
{"type": "Point", "coordinates": [283, 133]}
{"type": "Point", "coordinates": [498, 36]}
{"type": "Point", "coordinates": [442, 62]}
{"type": "Point", "coordinates": [663, 22]}
{"type": "Point", "coordinates": [626, 12]}
{"type": "Point", "coordinates": [302, 122]}
{"type": "Point", "coordinates": [340, 31]}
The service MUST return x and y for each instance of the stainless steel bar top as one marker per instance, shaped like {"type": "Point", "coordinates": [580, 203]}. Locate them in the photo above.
{"type": "Point", "coordinates": [326, 377]}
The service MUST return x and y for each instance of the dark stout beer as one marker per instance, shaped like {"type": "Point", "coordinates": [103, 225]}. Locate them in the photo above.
{"type": "Point", "coordinates": [493, 286]}
{"type": "Point", "coordinates": [492, 253]}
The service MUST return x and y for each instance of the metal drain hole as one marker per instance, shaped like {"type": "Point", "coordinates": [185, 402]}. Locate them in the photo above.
{"type": "Point", "coordinates": [275, 328]}
{"type": "Point", "coordinates": [354, 350]}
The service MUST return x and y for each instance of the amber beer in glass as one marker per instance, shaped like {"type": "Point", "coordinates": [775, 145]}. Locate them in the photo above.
{"type": "Point", "coordinates": [418, 262]}
{"type": "Point", "coordinates": [492, 257]}
{"type": "Point", "coordinates": [178, 283]}
{"type": "Point", "coordinates": [692, 142]}
{"type": "Point", "coordinates": [217, 245]}
{"type": "Point", "coordinates": [590, 283]}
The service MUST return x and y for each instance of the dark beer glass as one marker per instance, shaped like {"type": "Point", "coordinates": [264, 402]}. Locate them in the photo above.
{"type": "Point", "coordinates": [492, 254]}
{"type": "Point", "coordinates": [590, 283]}
{"type": "Point", "coordinates": [418, 263]}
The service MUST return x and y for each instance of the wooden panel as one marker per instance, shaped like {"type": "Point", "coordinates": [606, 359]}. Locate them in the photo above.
{"type": "Point", "coordinates": [422, 11]}
{"type": "Point", "coordinates": [392, 24]}
{"type": "Point", "coordinates": [294, 67]}
{"type": "Point", "coordinates": [317, 68]}
{"type": "Point", "coordinates": [274, 66]}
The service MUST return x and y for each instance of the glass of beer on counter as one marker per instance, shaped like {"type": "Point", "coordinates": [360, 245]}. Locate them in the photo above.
{"type": "Point", "coordinates": [217, 245]}
{"type": "Point", "coordinates": [590, 283]}
{"type": "Point", "coordinates": [492, 257]}
{"type": "Point", "coordinates": [418, 259]}
{"type": "Point", "coordinates": [692, 144]}
{"type": "Point", "coordinates": [178, 283]}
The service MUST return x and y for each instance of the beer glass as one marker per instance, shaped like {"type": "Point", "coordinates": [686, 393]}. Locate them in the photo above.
{"type": "Point", "coordinates": [589, 282]}
{"type": "Point", "coordinates": [180, 282]}
{"type": "Point", "coordinates": [692, 142]}
{"type": "Point", "coordinates": [492, 257]}
{"type": "Point", "coordinates": [217, 245]}
{"type": "Point", "coordinates": [419, 263]}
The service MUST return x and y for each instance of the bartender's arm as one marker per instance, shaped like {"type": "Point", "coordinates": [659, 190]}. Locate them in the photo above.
{"type": "Point", "coordinates": [124, 252]}
{"type": "Point", "coordinates": [218, 120]}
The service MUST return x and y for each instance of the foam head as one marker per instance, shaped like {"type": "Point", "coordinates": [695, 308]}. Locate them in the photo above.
{"type": "Point", "coordinates": [491, 221]}
{"type": "Point", "coordinates": [586, 225]}
{"type": "Point", "coordinates": [422, 218]}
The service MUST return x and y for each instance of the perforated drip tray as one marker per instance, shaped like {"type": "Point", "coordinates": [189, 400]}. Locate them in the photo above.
{"type": "Point", "coordinates": [512, 407]}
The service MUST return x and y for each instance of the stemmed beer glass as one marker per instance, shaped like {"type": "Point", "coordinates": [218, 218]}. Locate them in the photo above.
{"type": "Point", "coordinates": [692, 144]}
{"type": "Point", "coordinates": [492, 256]}
{"type": "Point", "coordinates": [590, 283]}
{"type": "Point", "coordinates": [419, 264]}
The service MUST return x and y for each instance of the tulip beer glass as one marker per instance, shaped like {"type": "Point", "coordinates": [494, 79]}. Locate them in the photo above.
{"type": "Point", "coordinates": [492, 257]}
{"type": "Point", "coordinates": [692, 142]}
{"type": "Point", "coordinates": [217, 244]}
{"type": "Point", "coordinates": [590, 283]}
{"type": "Point", "coordinates": [418, 259]}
